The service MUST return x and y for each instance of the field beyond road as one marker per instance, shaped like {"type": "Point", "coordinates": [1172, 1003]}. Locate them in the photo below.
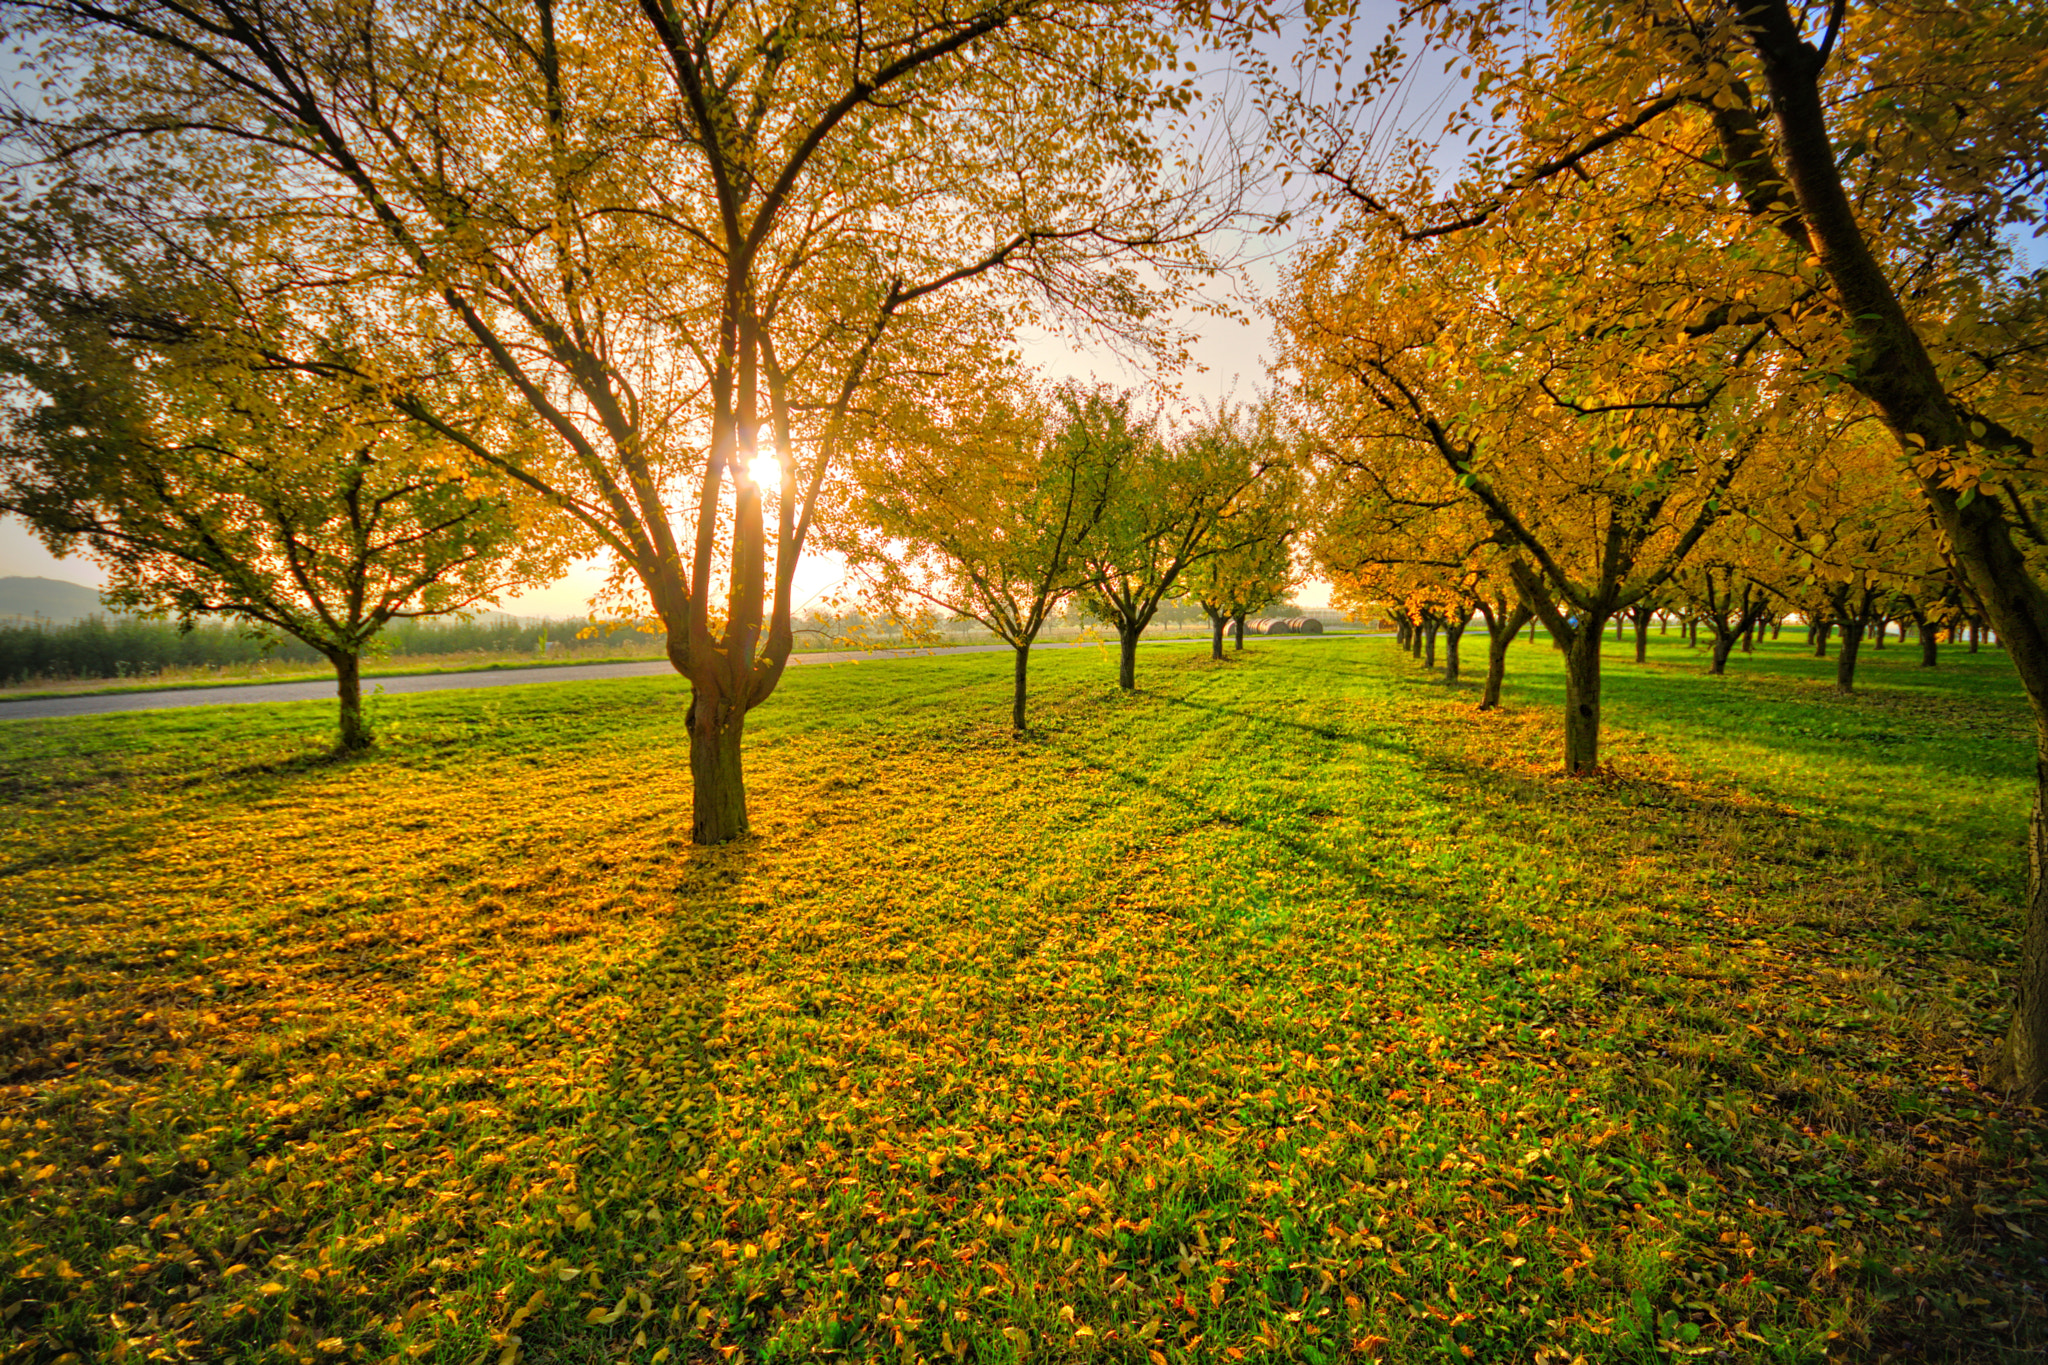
{"type": "Point", "coordinates": [1286, 1009]}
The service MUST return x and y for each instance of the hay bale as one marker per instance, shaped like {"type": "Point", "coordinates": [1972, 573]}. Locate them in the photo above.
{"type": "Point", "coordinates": [1306, 625]}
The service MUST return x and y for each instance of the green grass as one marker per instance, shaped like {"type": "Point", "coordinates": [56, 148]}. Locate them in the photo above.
{"type": "Point", "coordinates": [1287, 1009]}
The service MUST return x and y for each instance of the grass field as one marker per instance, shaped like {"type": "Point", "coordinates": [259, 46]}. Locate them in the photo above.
{"type": "Point", "coordinates": [1286, 1009]}
{"type": "Point", "coordinates": [620, 647]}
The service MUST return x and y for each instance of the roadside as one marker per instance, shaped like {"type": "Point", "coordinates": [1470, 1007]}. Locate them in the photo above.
{"type": "Point", "coordinates": [48, 707]}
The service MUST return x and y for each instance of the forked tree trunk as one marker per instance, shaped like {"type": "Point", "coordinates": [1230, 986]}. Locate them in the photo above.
{"type": "Point", "coordinates": [1724, 645]}
{"type": "Point", "coordinates": [1820, 639]}
{"type": "Point", "coordinates": [1692, 633]}
{"type": "Point", "coordinates": [1663, 623]}
{"type": "Point", "coordinates": [1497, 642]}
{"type": "Point", "coordinates": [354, 732]}
{"type": "Point", "coordinates": [719, 789]}
{"type": "Point", "coordinates": [1452, 634]}
{"type": "Point", "coordinates": [1532, 627]}
{"type": "Point", "coordinates": [1845, 658]}
{"type": "Point", "coordinates": [1022, 669]}
{"type": "Point", "coordinates": [1749, 638]}
{"type": "Point", "coordinates": [1582, 698]}
{"type": "Point", "coordinates": [1126, 658]}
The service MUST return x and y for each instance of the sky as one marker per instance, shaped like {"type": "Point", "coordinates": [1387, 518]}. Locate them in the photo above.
{"type": "Point", "coordinates": [1231, 358]}
{"type": "Point", "coordinates": [1230, 361]}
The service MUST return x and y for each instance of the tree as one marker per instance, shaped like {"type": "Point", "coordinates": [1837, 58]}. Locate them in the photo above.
{"type": "Point", "coordinates": [1724, 595]}
{"type": "Point", "coordinates": [200, 452]}
{"type": "Point", "coordinates": [987, 519]}
{"type": "Point", "coordinates": [1258, 568]}
{"type": "Point", "coordinates": [1493, 362]}
{"type": "Point", "coordinates": [698, 253]}
{"type": "Point", "coordinates": [1861, 162]}
{"type": "Point", "coordinates": [1167, 511]}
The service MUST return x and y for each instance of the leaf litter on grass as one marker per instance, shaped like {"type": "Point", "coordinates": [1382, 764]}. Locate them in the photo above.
{"type": "Point", "coordinates": [1281, 1010]}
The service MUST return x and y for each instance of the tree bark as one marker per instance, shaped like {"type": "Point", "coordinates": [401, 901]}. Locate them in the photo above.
{"type": "Point", "coordinates": [1216, 638]}
{"type": "Point", "coordinates": [1879, 629]}
{"type": "Point", "coordinates": [719, 788]}
{"type": "Point", "coordinates": [1401, 629]}
{"type": "Point", "coordinates": [1976, 634]}
{"type": "Point", "coordinates": [1429, 636]}
{"type": "Point", "coordinates": [1930, 646]}
{"type": "Point", "coordinates": [1126, 658]}
{"type": "Point", "coordinates": [1237, 629]}
{"type": "Point", "coordinates": [1023, 667]}
{"type": "Point", "coordinates": [1642, 636]}
{"type": "Point", "coordinates": [1845, 658]}
{"type": "Point", "coordinates": [354, 732]}
{"type": "Point", "coordinates": [1497, 641]}
{"type": "Point", "coordinates": [1820, 639]}
{"type": "Point", "coordinates": [1724, 645]}
{"type": "Point", "coordinates": [1582, 698]}
{"type": "Point", "coordinates": [1452, 634]}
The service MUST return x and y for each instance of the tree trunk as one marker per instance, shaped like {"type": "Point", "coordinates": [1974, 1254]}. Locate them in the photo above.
{"type": "Point", "coordinates": [1620, 631]}
{"type": "Point", "coordinates": [1237, 629]}
{"type": "Point", "coordinates": [1429, 635]}
{"type": "Point", "coordinates": [1216, 638]}
{"type": "Point", "coordinates": [1024, 666]}
{"type": "Point", "coordinates": [1532, 628]}
{"type": "Point", "coordinates": [1663, 623]}
{"type": "Point", "coordinates": [1724, 645]}
{"type": "Point", "coordinates": [1642, 637]}
{"type": "Point", "coordinates": [354, 734]}
{"type": "Point", "coordinates": [1401, 629]}
{"type": "Point", "coordinates": [1929, 646]}
{"type": "Point", "coordinates": [2021, 1061]}
{"type": "Point", "coordinates": [1749, 637]}
{"type": "Point", "coordinates": [1820, 639]}
{"type": "Point", "coordinates": [1976, 634]}
{"type": "Point", "coordinates": [1582, 698]}
{"type": "Point", "coordinates": [1879, 629]}
{"type": "Point", "coordinates": [719, 787]}
{"type": "Point", "coordinates": [1127, 658]}
{"type": "Point", "coordinates": [1692, 633]}
{"type": "Point", "coordinates": [1777, 624]}
{"type": "Point", "coordinates": [1497, 643]}
{"type": "Point", "coordinates": [1453, 634]}
{"type": "Point", "coordinates": [1845, 659]}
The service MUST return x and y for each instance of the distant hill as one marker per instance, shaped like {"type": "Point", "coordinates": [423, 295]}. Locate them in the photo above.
{"type": "Point", "coordinates": [50, 598]}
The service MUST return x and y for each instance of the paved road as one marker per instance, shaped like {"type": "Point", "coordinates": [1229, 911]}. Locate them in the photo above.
{"type": "Point", "coordinates": [43, 708]}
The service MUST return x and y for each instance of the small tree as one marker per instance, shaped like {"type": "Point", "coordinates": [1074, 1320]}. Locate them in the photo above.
{"type": "Point", "coordinates": [211, 469]}
{"type": "Point", "coordinates": [1166, 510]}
{"type": "Point", "coordinates": [1258, 569]}
{"type": "Point", "coordinates": [987, 521]}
